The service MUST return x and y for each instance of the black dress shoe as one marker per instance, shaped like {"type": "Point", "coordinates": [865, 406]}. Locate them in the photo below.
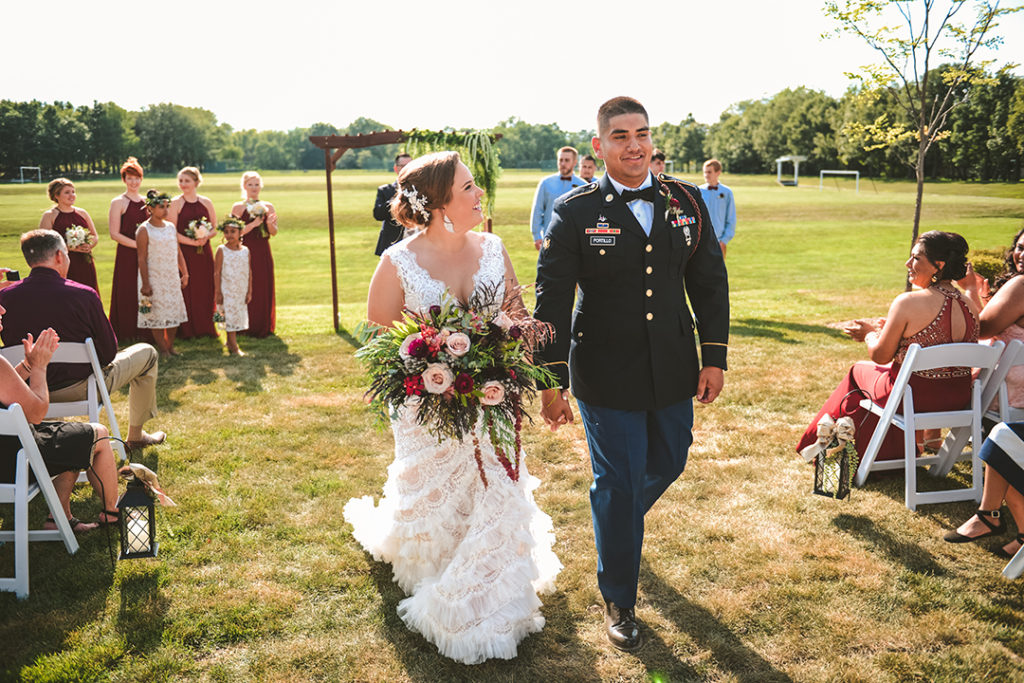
{"type": "Point", "coordinates": [623, 631]}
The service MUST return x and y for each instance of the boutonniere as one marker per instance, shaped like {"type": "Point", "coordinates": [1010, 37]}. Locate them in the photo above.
{"type": "Point", "coordinates": [672, 206]}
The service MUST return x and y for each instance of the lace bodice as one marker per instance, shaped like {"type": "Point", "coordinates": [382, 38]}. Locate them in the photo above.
{"type": "Point", "coordinates": [423, 291]}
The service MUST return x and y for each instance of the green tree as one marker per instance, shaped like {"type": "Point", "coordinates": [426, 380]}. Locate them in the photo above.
{"type": "Point", "coordinates": [110, 135]}
{"type": "Point", "coordinates": [19, 135]}
{"type": "Point", "coordinates": [529, 145]}
{"type": "Point", "coordinates": [929, 30]}
{"type": "Point", "coordinates": [63, 139]}
{"type": "Point", "coordinates": [172, 136]}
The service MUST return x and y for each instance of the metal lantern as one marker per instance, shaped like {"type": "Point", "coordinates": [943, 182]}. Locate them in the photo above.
{"type": "Point", "coordinates": [832, 472]}
{"type": "Point", "coordinates": [138, 522]}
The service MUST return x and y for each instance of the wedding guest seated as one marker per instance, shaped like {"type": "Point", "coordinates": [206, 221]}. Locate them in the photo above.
{"type": "Point", "coordinates": [67, 447]}
{"type": "Point", "coordinates": [1004, 481]}
{"type": "Point", "coordinates": [1002, 310]}
{"type": "Point", "coordinates": [47, 299]}
{"type": "Point", "coordinates": [934, 313]}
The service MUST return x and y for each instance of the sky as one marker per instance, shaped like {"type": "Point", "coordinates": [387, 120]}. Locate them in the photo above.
{"type": "Point", "coordinates": [287, 64]}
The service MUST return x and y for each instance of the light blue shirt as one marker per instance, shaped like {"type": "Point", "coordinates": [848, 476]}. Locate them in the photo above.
{"type": "Point", "coordinates": [641, 208]}
{"type": "Point", "coordinates": [548, 190]}
{"type": "Point", "coordinates": [722, 209]}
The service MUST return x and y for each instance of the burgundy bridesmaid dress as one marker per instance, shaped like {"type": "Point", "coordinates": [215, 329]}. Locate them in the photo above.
{"type": "Point", "coordinates": [262, 306]}
{"type": "Point", "coordinates": [82, 268]}
{"type": "Point", "coordinates": [124, 294]}
{"type": "Point", "coordinates": [199, 292]}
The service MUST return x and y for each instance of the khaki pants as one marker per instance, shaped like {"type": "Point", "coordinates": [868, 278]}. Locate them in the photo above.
{"type": "Point", "coordinates": [135, 366]}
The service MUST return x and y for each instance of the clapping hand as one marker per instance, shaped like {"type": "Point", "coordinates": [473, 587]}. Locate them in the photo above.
{"type": "Point", "coordinates": [38, 352]}
{"type": "Point", "coordinates": [858, 329]}
{"type": "Point", "coordinates": [974, 283]}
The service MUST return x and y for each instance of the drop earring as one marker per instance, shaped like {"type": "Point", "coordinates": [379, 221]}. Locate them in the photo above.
{"type": "Point", "coordinates": [448, 225]}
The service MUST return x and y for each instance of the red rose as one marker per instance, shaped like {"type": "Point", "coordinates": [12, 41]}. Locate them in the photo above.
{"type": "Point", "coordinates": [414, 386]}
{"type": "Point", "coordinates": [463, 383]}
{"type": "Point", "coordinates": [673, 202]}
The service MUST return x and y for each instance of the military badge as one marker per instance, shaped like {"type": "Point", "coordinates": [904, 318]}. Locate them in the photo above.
{"type": "Point", "coordinates": [547, 242]}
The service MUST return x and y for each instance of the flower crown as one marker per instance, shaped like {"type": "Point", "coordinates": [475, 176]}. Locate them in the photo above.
{"type": "Point", "coordinates": [418, 202]}
{"type": "Point", "coordinates": [231, 220]}
{"type": "Point", "coordinates": [154, 198]}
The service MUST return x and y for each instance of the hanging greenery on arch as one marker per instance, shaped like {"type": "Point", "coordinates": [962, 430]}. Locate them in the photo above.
{"type": "Point", "coordinates": [477, 149]}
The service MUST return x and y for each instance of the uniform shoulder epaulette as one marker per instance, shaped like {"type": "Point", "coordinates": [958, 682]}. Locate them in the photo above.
{"type": "Point", "coordinates": [678, 181]}
{"type": "Point", "coordinates": [580, 191]}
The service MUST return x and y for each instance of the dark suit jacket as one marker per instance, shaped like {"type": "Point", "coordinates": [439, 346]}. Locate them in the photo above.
{"type": "Point", "coordinates": [390, 231]}
{"type": "Point", "coordinates": [630, 342]}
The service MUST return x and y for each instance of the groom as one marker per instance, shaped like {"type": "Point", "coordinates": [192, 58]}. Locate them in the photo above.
{"type": "Point", "coordinates": [632, 244]}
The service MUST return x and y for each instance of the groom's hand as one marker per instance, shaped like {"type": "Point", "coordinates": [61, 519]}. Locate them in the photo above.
{"type": "Point", "coordinates": [709, 383]}
{"type": "Point", "coordinates": [555, 408]}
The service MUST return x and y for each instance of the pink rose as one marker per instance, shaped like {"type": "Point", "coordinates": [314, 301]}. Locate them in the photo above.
{"type": "Point", "coordinates": [457, 344]}
{"type": "Point", "coordinates": [494, 393]}
{"type": "Point", "coordinates": [437, 378]}
{"type": "Point", "coordinates": [503, 320]}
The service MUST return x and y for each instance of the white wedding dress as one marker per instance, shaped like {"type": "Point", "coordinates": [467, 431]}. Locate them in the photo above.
{"type": "Point", "coordinates": [471, 558]}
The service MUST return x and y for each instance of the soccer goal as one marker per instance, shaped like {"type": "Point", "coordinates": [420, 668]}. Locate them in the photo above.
{"type": "Point", "coordinates": [39, 174]}
{"type": "Point", "coordinates": [821, 177]}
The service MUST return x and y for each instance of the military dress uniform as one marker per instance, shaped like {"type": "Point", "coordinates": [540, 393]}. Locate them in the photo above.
{"type": "Point", "coordinates": [628, 350]}
{"type": "Point", "coordinates": [390, 231]}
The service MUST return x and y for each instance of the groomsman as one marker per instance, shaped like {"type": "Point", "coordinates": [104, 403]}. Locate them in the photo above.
{"type": "Point", "coordinates": [390, 231]}
{"type": "Point", "coordinates": [719, 200]}
{"type": "Point", "coordinates": [657, 162]}
{"type": "Point", "coordinates": [588, 168]}
{"type": "Point", "coordinates": [551, 188]}
{"type": "Point", "coordinates": [631, 245]}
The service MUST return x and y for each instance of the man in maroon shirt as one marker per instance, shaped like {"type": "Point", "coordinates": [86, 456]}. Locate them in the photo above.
{"type": "Point", "coordinates": [46, 299]}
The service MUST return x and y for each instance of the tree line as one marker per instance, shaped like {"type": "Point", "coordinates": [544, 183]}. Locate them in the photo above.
{"type": "Point", "coordinates": [985, 140]}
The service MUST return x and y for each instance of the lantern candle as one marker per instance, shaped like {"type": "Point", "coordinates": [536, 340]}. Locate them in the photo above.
{"type": "Point", "coordinates": [138, 532]}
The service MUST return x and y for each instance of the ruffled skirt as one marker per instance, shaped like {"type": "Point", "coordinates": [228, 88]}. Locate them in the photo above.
{"type": "Point", "coordinates": [472, 559]}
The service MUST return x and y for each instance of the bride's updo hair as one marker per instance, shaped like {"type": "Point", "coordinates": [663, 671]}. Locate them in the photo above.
{"type": "Point", "coordinates": [424, 184]}
{"type": "Point", "coordinates": [948, 247]}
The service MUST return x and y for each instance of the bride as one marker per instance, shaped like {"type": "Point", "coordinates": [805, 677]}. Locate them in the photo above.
{"type": "Point", "coordinates": [471, 557]}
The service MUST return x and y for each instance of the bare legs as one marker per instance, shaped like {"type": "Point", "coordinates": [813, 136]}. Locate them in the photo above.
{"type": "Point", "coordinates": [233, 344]}
{"type": "Point", "coordinates": [995, 492]}
{"type": "Point", "coordinates": [164, 340]}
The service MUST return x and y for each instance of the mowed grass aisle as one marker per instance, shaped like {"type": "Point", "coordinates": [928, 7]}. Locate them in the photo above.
{"type": "Point", "coordinates": [747, 576]}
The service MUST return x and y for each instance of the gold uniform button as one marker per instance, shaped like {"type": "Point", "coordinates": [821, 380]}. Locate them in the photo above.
{"type": "Point", "coordinates": [650, 316]}
{"type": "Point", "coordinates": [609, 197]}
{"type": "Point", "coordinates": [649, 270]}
{"type": "Point", "coordinates": [650, 292]}
{"type": "Point", "coordinates": [579, 334]}
{"type": "Point", "coordinates": [601, 252]}
{"type": "Point", "coordinates": [649, 248]}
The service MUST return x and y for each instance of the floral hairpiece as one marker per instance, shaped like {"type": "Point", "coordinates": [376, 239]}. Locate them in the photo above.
{"type": "Point", "coordinates": [232, 221]}
{"type": "Point", "coordinates": [417, 201]}
{"type": "Point", "coordinates": [155, 199]}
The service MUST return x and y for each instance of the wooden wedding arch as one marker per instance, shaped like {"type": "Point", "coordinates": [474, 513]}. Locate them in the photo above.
{"type": "Point", "coordinates": [479, 155]}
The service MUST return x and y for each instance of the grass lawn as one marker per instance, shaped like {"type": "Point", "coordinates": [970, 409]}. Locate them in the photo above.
{"type": "Point", "coordinates": [747, 576]}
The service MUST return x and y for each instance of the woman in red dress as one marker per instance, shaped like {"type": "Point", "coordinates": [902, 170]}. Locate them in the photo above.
{"type": "Point", "coordinates": [185, 208]}
{"type": "Point", "coordinates": [936, 313]}
{"type": "Point", "coordinates": [259, 228]}
{"type": "Point", "coordinates": [65, 215]}
{"type": "Point", "coordinates": [127, 211]}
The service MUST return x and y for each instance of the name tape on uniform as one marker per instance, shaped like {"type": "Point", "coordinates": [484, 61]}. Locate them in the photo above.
{"type": "Point", "coordinates": [602, 241]}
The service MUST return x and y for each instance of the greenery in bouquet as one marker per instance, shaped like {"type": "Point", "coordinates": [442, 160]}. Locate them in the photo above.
{"type": "Point", "coordinates": [460, 363]}
{"type": "Point", "coordinates": [258, 210]}
{"type": "Point", "coordinates": [199, 229]}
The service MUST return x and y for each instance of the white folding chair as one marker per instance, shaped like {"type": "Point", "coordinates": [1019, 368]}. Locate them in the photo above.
{"type": "Point", "coordinates": [1013, 356]}
{"type": "Point", "coordinates": [1005, 438]}
{"type": "Point", "coordinates": [13, 423]}
{"type": "Point", "coordinates": [96, 392]}
{"type": "Point", "coordinates": [964, 424]}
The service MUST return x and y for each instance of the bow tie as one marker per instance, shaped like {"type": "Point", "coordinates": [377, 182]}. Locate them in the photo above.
{"type": "Point", "coordinates": [569, 177]}
{"type": "Point", "coordinates": [647, 194]}
{"type": "Point", "coordinates": [713, 189]}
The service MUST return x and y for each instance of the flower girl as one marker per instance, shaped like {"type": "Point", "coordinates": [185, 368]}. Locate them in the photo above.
{"type": "Point", "coordinates": [232, 277]}
{"type": "Point", "coordinates": [162, 275]}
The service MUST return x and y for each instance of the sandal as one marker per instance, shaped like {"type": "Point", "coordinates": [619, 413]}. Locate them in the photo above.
{"type": "Point", "coordinates": [993, 529]}
{"type": "Point", "coordinates": [77, 525]}
{"type": "Point", "coordinates": [1019, 539]}
{"type": "Point", "coordinates": [932, 446]}
{"type": "Point", "coordinates": [113, 518]}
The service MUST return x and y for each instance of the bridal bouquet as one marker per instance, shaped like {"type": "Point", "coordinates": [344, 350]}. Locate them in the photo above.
{"type": "Point", "coordinates": [460, 364]}
{"type": "Point", "coordinates": [77, 236]}
{"type": "Point", "coordinates": [199, 229]}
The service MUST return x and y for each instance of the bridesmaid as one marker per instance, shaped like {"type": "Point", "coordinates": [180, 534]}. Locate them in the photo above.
{"type": "Point", "coordinates": [186, 207]}
{"type": "Point", "coordinates": [127, 212]}
{"type": "Point", "coordinates": [256, 235]}
{"type": "Point", "coordinates": [63, 216]}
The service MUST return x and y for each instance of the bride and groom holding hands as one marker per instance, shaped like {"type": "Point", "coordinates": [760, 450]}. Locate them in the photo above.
{"type": "Point", "coordinates": [619, 260]}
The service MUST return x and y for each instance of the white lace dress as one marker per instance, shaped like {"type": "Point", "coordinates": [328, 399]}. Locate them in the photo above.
{"type": "Point", "coordinates": [471, 558]}
{"type": "Point", "coordinates": [167, 303]}
{"type": "Point", "coordinates": [234, 285]}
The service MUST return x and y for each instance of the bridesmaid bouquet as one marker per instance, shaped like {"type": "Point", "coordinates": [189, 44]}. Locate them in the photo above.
{"type": "Point", "coordinates": [457, 365]}
{"type": "Point", "coordinates": [258, 209]}
{"type": "Point", "coordinates": [145, 305]}
{"type": "Point", "coordinates": [77, 236]}
{"type": "Point", "coordinates": [199, 229]}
